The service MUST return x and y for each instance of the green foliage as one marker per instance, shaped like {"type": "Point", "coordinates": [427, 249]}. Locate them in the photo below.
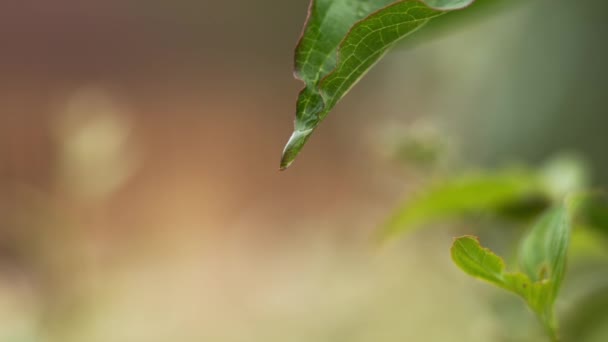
{"type": "Point", "coordinates": [510, 193]}
{"type": "Point", "coordinates": [542, 258]}
{"type": "Point", "coordinates": [513, 194]}
{"type": "Point", "coordinates": [342, 40]}
{"type": "Point", "coordinates": [463, 195]}
{"type": "Point", "coordinates": [482, 263]}
{"type": "Point", "coordinates": [543, 252]}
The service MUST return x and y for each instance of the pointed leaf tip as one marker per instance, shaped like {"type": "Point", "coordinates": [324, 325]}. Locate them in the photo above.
{"type": "Point", "coordinates": [294, 146]}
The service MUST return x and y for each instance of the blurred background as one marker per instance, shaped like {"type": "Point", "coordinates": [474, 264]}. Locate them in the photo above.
{"type": "Point", "coordinates": [140, 197]}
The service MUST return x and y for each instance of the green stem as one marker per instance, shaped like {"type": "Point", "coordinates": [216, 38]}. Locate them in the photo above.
{"type": "Point", "coordinates": [550, 324]}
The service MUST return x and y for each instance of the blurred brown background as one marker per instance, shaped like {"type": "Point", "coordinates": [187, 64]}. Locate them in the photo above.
{"type": "Point", "coordinates": [140, 197]}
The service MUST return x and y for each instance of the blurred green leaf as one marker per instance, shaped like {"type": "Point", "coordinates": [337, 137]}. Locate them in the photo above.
{"type": "Point", "coordinates": [511, 194]}
{"type": "Point", "coordinates": [342, 40]}
{"type": "Point", "coordinates": [482, 263]}
{"type": "Point", "coordinates": [468, 194]}
{"type": "Point", "coordinates": [543, 252]}
{"type": "Point", "coordinates": [542, 258]}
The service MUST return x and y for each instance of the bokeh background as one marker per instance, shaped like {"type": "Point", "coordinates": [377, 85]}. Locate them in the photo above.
{"type": "Point", "coordinates": [140, 197]}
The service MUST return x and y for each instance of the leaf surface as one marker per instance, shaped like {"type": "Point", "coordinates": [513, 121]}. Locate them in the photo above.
{"type": "Point", "coordinates": [472, 193]}
{"type": "Point", "coordinates": [542, 259]}
{"type": "Point", "coordinates": [342, 40]}
{"type": "Point", "coordinates": [543, 252]}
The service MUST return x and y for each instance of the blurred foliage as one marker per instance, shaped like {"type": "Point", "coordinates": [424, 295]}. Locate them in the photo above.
{"type": "Point", "coordinates": [543, 263]}
{"type": "Point", "coordinates": [543, 259]}
{"type": "Point", "coordinates": [514, 194]}
{"type": "Point", "coordinates": [464, 195]}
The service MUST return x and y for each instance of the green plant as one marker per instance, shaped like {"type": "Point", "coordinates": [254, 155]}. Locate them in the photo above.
{"type": "Point", "coordinates": [513, 194]}
{"type": "Point", "coordinates": [559, 208]}
{"type": "Point", "coordinates": [542, 259]}
{"type": "Point", "coordinates": [341, 41]}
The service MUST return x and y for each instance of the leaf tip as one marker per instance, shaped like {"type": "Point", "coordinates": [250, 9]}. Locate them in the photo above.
{"type": "Point", "coordinates": [293, 147]}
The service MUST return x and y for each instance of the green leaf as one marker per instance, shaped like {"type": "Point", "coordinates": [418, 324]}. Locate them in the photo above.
{"type": "Point", "coordinates": [543, 252]}
{"type": "Point", "coordinates": [468, 194]}
{"type": "Point", "coordinates": [342, 40]}
{"type": "Point", "coordinates": [482, 263]}
{"type": "Point", "coordinates": [542, 258]}
{"type": "Point", "coordinates": [479, 262]}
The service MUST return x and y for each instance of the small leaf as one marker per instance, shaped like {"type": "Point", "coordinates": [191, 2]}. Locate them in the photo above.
{"type": "Point", "coordinates": [479, 262]}
{"type": "Point", "coordinates": [342, 40]}
{"type": "Point", "coordinates": [483, 264]}
{"type": "Point", "coordinates": [471, 193]}
{"type": "Point", "coordinates": [542, 258]}
{"type": "Point", "coordinates": [543, 252]}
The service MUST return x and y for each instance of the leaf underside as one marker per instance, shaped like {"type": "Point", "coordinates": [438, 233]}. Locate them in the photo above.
{"type": "Point", "coordinates": [342, 40]}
